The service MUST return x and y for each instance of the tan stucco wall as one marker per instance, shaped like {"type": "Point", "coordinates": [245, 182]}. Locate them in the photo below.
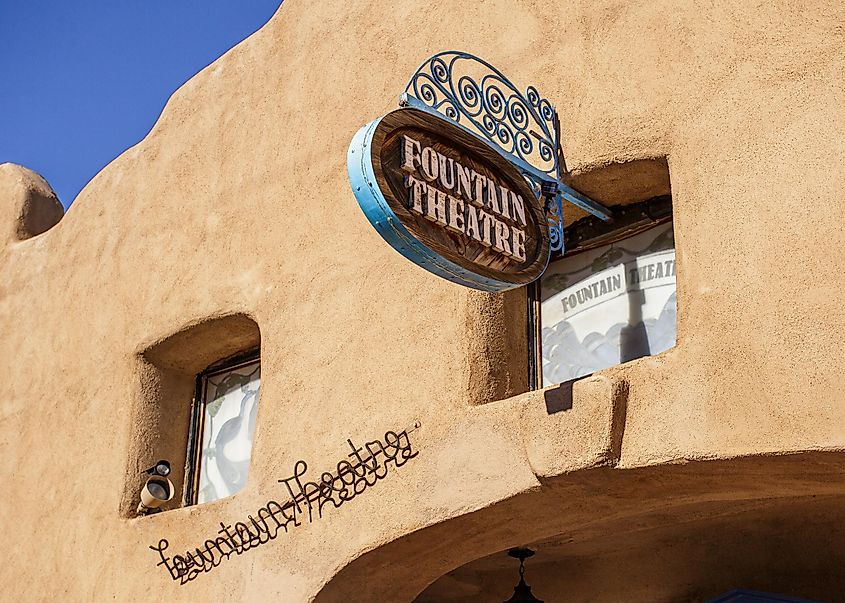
{"type": "Point", "coordinates": [237, 203]}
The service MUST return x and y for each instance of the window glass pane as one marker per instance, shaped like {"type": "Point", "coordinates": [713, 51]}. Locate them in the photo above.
{"type": "Point", "coordinates": [608, 305]}
{"type": "Point", "coordinates": [230, 406]}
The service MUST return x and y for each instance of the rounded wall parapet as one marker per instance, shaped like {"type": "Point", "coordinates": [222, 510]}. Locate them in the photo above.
{"type": "Point", "coordinates": [29, 205]}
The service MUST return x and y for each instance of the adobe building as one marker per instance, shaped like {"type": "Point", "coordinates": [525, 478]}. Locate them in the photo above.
{"type": "Point", "coordinates": [660, 416]}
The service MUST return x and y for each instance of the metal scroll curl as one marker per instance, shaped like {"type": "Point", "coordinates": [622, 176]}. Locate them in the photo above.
{"type": "Point", "coordinates": [554, 218]}
{"type": "Point", "coordinates": [523, 127]}
{"type": "Point", "coordinates": [476, 95]}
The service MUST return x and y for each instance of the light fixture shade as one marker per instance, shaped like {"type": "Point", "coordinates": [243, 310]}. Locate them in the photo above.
{"type": "Point", "coordinates": [157, 491]}
{"type": "Point", "coordinates": [522, 592]}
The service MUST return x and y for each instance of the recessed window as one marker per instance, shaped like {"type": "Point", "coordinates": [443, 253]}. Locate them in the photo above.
{"type": "Point", "coordinates": [195, 407]}
{"type": "Point", "coordinates": [223, 427]}
{"type": "Point", "coordinates": [607, 303]}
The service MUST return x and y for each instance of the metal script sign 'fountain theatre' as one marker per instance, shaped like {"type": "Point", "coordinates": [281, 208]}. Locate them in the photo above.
{"type": "Point", "coordinates": [464, 179]}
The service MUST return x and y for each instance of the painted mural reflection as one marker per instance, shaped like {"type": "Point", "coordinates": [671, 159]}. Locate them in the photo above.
{"type": "Point", "coordinates": [608, 305]}
{"type": "Point", "coordinates": [230, 407]}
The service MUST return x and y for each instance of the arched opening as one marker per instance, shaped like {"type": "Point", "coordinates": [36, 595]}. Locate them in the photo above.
{"type": "Point", "coordinates": [673, 533]}
{"type": "Point", "coordinates": [764, 548]}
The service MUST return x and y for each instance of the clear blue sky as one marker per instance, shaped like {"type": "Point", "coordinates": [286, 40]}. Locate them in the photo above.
{"type": "Point", "coordinates": [83, 80]}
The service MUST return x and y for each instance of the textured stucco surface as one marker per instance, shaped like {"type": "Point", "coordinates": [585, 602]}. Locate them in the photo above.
{"type": "Point", "coordinates": [237, 205]}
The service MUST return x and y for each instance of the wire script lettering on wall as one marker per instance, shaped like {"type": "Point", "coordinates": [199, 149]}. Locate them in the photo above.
{"type": "Point", "coordinates": [366, 466]}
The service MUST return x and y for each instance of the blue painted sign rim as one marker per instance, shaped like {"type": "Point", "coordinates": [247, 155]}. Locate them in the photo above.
{"type": "Point", "coordinates": [382, 217]}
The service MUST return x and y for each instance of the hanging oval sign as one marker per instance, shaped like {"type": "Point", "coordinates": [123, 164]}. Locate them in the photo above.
{"type": "Point", "coordinates": [448, 202]}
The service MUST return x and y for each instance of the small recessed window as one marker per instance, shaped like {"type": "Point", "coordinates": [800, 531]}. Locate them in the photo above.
{"type": "Point", "coordinates": [606, 304]}
{"type": "Point", "coordinates": [223, 426]}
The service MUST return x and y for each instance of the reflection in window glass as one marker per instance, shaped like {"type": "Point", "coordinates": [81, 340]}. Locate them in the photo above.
{"type": "Point", "coordinates": [230, 403]}
{"type": "Point", "coordinates": [608, 305]}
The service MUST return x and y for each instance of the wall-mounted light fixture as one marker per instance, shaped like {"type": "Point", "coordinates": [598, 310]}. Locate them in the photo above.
{"type": "Point", "coordinates": [522, 592]}
{"type": "Point", "coordinates": [158, 489]}
{"type": "Point", "coordinates": [161, 468]}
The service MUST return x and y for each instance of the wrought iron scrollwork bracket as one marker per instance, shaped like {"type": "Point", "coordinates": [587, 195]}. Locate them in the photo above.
{"type": "Point", "coordinates": [523, 128]}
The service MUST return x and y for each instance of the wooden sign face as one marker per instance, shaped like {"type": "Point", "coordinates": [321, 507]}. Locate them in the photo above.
{"type": "Point", "coordinates": [448, 202]}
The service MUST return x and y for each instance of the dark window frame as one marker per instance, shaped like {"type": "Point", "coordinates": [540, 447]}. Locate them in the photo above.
{"type": "Point", "coordinates": [195, 432]}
